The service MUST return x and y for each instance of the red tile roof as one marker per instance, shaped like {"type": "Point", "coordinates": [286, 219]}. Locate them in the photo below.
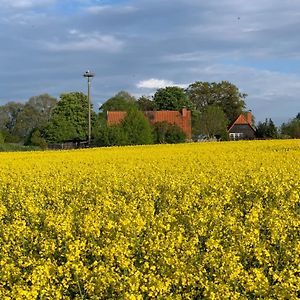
{"type": "Point", "coordinates": [181, 119]}
{"type": "Point", "coordinates": [115, 117]}
{"type": "Point", "coordinates": [243, 119]}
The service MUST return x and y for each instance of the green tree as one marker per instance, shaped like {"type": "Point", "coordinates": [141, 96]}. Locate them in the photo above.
{"type": "Point", "coordinates": [224, 94]}
{"type": "Point", "coordinates": [160, 130]}
{"type": "Point", "coordinates": [175, 135]}
{"type": "Point", "coordinates": [1, 138]}
{"type": "Point", "coordinates": [36, 139]}
{"type": "Point", "coordinates": [18, 120]}
{"type": "Point", "coordinates": [171, 98]}
{"type": "Point", "coordinates": [266, 129]}
{"type": "Point", "coordinates": [212, 122]}
{"type": "Point", "coordinates": [69, 119]}
{"type": "Point", "coordinates": [122, 101]}
{"type": "Point", "coordinates": [137, 128]}
{"type": "Point", "coordinates": [163, 132]}
{"type": "Point", "coordinates": [113, 135]}
{"type": "Point", "coordinates": [146, 104]}
{"type": "Point", "coordinates": [8, 119]}
{"type": "Point", "coordinates": [291, 129]}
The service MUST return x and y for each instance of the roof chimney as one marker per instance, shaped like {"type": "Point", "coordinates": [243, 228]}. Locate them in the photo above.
{"type": "Point", "coordinates": [249, 117]}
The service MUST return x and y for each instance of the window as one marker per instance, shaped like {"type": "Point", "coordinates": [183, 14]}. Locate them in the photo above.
{"type": "Point", "coordinates": [236, 136]}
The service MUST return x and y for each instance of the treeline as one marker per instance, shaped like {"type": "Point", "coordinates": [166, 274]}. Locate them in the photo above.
{"type": "Point", "coordinates": [268, 130]}
{"type": "Point", "coordinates": [44, 120]}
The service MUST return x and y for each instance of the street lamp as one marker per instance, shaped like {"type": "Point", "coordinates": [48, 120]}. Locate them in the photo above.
{"type": "Point", "coordinates": [89, 75]}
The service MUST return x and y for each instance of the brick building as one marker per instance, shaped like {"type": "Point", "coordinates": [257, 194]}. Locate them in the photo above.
{"type": "Point", "coordinates": [241, 128]}
{"type": "Point", "coordinates": [181, 118]}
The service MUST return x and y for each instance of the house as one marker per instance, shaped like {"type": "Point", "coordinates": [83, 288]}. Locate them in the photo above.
{"type": "Point", "coordinates": [180, 118]}
{"type": "Point", "coordinates": [242, 128]}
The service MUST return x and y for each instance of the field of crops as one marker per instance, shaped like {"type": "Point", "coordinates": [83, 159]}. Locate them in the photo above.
{"type": "Point", "coordinates": [190, 221]}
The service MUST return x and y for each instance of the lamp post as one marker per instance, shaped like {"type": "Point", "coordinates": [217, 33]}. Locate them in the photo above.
{"type": "Point", "coordinates": [89, 75]}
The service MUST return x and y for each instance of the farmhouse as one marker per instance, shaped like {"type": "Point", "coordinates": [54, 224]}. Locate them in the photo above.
{"type": "Point", "coordinates": [181, 118]}
{"type": "Point", "coordinates": [241, 128]}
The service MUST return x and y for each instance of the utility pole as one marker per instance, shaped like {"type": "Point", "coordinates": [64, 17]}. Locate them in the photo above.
{"type": "Point", "coordinates": [89, 75]}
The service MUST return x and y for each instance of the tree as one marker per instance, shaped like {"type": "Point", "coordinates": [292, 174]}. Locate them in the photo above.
{"type": "Point", "coordinates": [292, 128]}
{"type": "Point", "coordinates": [146, 104]}
{"type": "Point", "coordinates": [133, 130]}
{"type": "Point", "coordinates": [171, 98]}
{"type": "Point", "coordinates": [36, 139]}
{"type": "Point", "coordinates": [224, 94]}
{"type": "Point", "coordinates": [212, 121]}
{"type": "Point", "coordinates": [8, 119]}
{"type": "Point", "coordinates": [122, 101]}
{"type": "Point", "coordinates": [69, 119]}
{"type": "Point", "coordinates": [17, 120]}
{"type": "Point", "coordinates": [1, 138]}
{"type": "Point", "coordinates": [266, 129]}
{"type": "Point", "coordinates": [112, 135]}
{"type": "Point", "coordinates": [164, 132]}
{"type": "Point", "coordinates": [137, 128]}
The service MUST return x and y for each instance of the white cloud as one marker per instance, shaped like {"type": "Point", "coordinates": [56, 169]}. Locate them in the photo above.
{"type": "Point", "coordinates": [86, 42]}
{"type": "Point", "coordinates": [154, 83]}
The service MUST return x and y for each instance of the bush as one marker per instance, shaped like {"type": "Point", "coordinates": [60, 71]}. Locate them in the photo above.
{"type": "Point", "coordinates": [137, 128]}
{"type": "Point", "coordinates": [164, 132]}
{"type": "Point", "coordinates": [1, 138]}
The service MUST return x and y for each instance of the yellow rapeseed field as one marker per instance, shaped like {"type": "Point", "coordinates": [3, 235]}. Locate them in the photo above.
{"type": "Point", "coordinates": [189, 221]}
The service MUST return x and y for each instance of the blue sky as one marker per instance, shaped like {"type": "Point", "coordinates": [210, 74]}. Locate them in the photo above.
{"type": "Point", "coordinates": [142, 45]}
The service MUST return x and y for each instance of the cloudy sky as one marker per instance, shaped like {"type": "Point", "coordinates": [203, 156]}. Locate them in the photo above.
{"type": "Point", "coordinates": [142, 45]}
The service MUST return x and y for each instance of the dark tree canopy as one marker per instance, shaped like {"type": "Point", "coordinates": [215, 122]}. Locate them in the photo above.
{"type": "Point", "coordinates": [122, 101]}
{"type": "Point", "coordinates": [266, 129]}
{"type": "Point", "coordinates": [224, 94]}
{"type": "Point", "coordinates": [146, 104]}
{"type": "Point", "coordinates": [171, 98]}
{"type": "Point", "coordinates": [163, 132]}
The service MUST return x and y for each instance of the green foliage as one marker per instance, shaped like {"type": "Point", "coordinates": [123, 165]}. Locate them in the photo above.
{"type": "Point", "coordinates": [8, 119]}
{"type": "Point", "coordinates": [122, 101]}
{"type": "Point", "coordinates": [146, 104]}
{"type": "Point", "coordinates": [1, 138]}
{"type": "Point", "coordinates": [175, 135]}
{"type": "Point", "coordinates": [69, 119]}
{"type": "Point", "coordinates": [113, 135]}
{"type": "Point", "coordinates": [266, 129]}
{"type": "Point", "coordinates": [133, 130]}
{"type": "Point", "coordinates": [224, 94]}
{"type": "Point", "coordinates": [137, 128]}
{"type": "Point", "coordinates": [14, 147]}
{"type": "Point", "coordinates": [211, 122]}
{"type": "Point", "coordinates": [171, 98]}
{"type": "Point", "coordinates": [36, 139]}
{"type": "Point", "coordinates": [18, 120]}
{"type": "Point", "coordinates": [159, 132]}
{"type": "Point", "coordinates": [164, 132]}
{"type": "Point", "coordinates": [292, 128]}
